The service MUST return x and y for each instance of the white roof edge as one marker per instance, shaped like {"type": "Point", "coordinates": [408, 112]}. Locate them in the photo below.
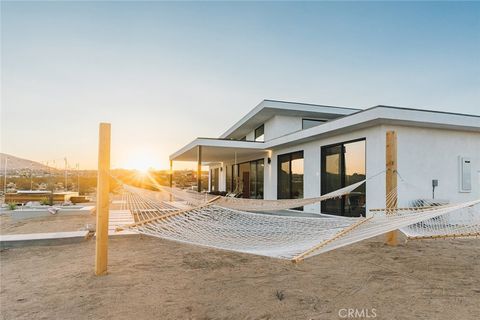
{"type": "Point", "coordinates": [218, 143]}
{"type": "Point", "coordinates": [276, 104]}
{"type": "Point", "coordinates": [365, 117]}
{"type": "Point", "coordinates": [384, 114]}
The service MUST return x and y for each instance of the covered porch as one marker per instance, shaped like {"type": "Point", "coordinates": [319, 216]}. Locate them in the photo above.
{"type": "Point", "coordinates": [234, 166]}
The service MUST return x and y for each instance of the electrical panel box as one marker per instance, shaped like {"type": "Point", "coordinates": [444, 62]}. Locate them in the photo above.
{"type": "Point", "coordinates": [465, 184]}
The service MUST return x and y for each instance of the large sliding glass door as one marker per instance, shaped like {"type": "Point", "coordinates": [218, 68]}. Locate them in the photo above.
{"type": "Point", "coordinates": [248, 179]}
{"type": "Point", "coordinates": [342, 165]}
{"type": "Point", "coordinates": [290, 176]}
{"type": "Point", "coordinates": [214, 180]}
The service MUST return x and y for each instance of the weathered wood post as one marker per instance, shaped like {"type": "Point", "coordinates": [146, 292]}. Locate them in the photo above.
{"type": "Point", "coordinates": [171, 178]}
{"type": "Point", "coordinates": [103, 203]}
{"type": "Point", "coordinates": [391, 181]}
{"type": "Point", "coordinates": [199, 169]}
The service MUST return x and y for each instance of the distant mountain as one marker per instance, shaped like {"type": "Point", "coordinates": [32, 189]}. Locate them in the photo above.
{"type": "Point", "coordinates": [16, 163]}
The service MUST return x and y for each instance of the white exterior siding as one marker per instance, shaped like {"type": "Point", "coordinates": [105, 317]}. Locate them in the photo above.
{"type": "Point", "coordinates": [426, 154]}
{"type": "Point", "coordinates": [429, 146]}
{"type": "Point", "coordinates": [375, 146]}
{"type": "Point", "coordinates": [281, 125]}
{"type": "Point", "coordinates": [423, 155]}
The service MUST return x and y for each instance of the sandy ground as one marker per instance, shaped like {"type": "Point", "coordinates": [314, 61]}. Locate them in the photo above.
{"type": "Point", "coordinates": [151, 278]}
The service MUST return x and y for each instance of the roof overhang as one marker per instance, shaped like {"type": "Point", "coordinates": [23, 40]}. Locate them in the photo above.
{"type": "Point", "coordinates": [270, 108]}
{"type": "Point", "coordinates": [222, 150]}
{"type": "Point", "coordinates": [381, 115]}
{"type": "Point", "coordinates": [219, 150]}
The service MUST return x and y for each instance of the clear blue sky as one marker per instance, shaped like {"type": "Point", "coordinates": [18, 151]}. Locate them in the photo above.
{"type": "Point", "coordinates": [165, 73]}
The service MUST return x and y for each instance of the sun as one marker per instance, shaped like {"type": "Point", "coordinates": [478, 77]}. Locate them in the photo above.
{"type": "Point", "coordinates": [141, 161]}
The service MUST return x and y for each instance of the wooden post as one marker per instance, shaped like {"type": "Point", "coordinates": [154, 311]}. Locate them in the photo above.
{"type": "Point", "coordinates": [391, 180]}
{"type": "Point", "coordinates": [103, 203]}
{"type": "Point", "coordinates": [199, 169]}
{"type": "Point", "coordinates": [171, 178]}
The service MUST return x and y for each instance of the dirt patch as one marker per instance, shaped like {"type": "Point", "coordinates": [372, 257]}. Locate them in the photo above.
{"type": "Point", "coordinates": [53, 223]}
{"type": "Point", "coordinates": [151, 278]}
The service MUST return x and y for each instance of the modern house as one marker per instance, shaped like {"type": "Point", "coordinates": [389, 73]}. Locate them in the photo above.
{"type": "Point", "coordinates": [283, 150]}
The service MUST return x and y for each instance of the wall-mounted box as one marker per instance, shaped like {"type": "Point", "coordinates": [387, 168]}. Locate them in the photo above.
{"type": "Point", "coordinates": [465, 174]}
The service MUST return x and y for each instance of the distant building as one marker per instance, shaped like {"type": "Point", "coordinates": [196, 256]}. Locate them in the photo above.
{"type": "Point", "coordinates": [24, 196]}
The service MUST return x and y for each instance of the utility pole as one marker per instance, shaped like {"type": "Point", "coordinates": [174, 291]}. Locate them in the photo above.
{"type": "Point", "coordinates": [78, 178]}
{"type": "Point", "coordinates": [31, 176]}
{"type": "Point", "coordinates": [5, 180]}
{"type": "Point", "coordinates": [65, 187]}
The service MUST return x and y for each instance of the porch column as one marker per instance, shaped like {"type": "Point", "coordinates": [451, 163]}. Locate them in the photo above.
{"type": "Point", "coordinates": [199, 169]}
{"type": "Point", "coordinates": [171, 178]}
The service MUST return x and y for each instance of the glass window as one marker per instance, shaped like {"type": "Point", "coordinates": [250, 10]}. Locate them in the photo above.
{"type": "Point", "coordinates": [283, 183]}
{"type": "Point", "coordinates": [249, 182]}
{"type": "Point", "coordinates": [259, 133]}
{"type": "Point", "coordinates": [236, 182]}
{"type": "Point", "coordinates": [244, 179]}
{"type": "Point", "coordinates": [297, 175]}
{"type": "Point", "coordinates": [253, 179]}
{"type": "Point", "coordinates": [290, 176]}
{"type": "Point", "coordinates": [214, 175]}
{"type": "Point", "coordinates": [310, 123]}
{"type": "Point", "coordinates": [342, 165]}
{"type": "Point", "coordinates": [228, 178]}
{"type": "Point", "coordinates": [260, 175]}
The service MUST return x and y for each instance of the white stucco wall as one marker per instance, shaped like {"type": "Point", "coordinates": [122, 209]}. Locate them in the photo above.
{"type": "Point", "coordinates": [375, 163]}
{"type": "Point", "coordinates": [281, 125]}
{"type": "Point", "coordinates": [423, 155]}
{"type": "Point", "coordinates": [426, 154]}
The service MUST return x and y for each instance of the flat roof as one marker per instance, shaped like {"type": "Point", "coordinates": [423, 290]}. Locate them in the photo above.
{"type": "Point", "coordinates": [269, 108]}
{"type": "Point", "coordinates": [357, 120]}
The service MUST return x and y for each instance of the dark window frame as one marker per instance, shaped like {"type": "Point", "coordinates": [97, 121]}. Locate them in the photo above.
{"type": "Point", "coordinates": [290, 179]}
{"type": "Point", "coordinates": [215, 179]}
{"type": "Point", "coordinates": [323, 170]}
{"type": "Point", "coordinates": [262, 126]}
{"type": "Point", "coordinates": [316, 120]}
{"type": "Point", "coordinates": [236, 174]}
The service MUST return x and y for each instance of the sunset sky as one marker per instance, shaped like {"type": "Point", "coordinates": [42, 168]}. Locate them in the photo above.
{"type": "Point", "coordinates": [165, 73]}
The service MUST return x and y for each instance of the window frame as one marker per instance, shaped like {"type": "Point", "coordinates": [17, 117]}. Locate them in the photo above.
{"type": "Point", "coordinates": [323, 165]}
{"type": "Point", "coordinates": [316, 120]}
{"type": "Point", "coordinates": [290, 176]}
{"type": "Point", "coordinates": [236, 175]}
{"type": "Point", "coordinates": [256, 137]}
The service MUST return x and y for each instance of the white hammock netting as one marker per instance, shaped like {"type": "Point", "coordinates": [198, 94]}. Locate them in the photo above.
{"type": "Point", "coordinates": [257, 204]}
{"type": "Point", "coordinates": [285, 237]}
{"type": "Point", "coordinates": [455, 224]}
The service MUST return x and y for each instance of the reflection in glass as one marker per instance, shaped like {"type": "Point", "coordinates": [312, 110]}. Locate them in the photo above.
{"type": "Point", "coordinates": [310, 123]}
{"type": "Point", "coordinates": [248, 177]}
{"type": "Point", "coordinates": [290, 176]}
{"type": "Point", "coordinates": [214, 175]}
{"type": "Point", "coordinates": [228, 179]}
{"type": "Point", "coordinates": [343, 165]}
{"type": "Point", "coordinates": [259, 133]}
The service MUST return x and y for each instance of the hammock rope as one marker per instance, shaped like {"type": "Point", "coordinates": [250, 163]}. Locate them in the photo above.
{"type": "Point", "coordinates": [295, 238]}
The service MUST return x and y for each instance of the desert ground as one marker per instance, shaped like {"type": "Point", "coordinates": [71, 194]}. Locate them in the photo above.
{"type": "Point", "coordinates": [151, 278]}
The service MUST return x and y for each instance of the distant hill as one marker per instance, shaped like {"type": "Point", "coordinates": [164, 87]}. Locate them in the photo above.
{"type": "Point", "coordinates": [16, 163]}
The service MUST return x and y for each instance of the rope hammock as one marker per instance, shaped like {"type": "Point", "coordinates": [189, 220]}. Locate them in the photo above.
{"type": "Point", "coordinates": [195, 198]}
{"type": "Point", "coordinates": [285, 237]}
